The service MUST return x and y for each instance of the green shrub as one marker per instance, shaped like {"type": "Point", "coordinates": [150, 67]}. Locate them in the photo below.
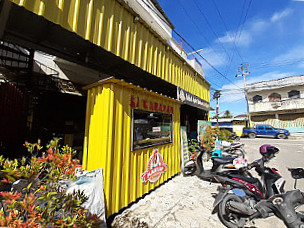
{"type": "Point", "coordinates": [38, 200]}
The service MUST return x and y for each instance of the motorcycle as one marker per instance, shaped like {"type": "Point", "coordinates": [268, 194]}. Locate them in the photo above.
{"type": "Point", "coordinates": [233, 149]}
{"type": "Point", "coordinates": [282, 205]}
{"type": "Point", "coordinates": [239, 196]}
{"type": "Point", "coordinates": [220, 165]}
{"type": "Point", "coordinates": [234, 137]}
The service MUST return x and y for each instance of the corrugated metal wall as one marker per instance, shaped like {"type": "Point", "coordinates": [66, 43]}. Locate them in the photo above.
{"type": "Point", "coordinates": [107, 23]}
{"type": "Point", "coordinates": [108, 143]}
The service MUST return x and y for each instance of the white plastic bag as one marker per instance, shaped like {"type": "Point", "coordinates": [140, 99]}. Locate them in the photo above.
{"type": "Point", "coordinates": [92, 185]}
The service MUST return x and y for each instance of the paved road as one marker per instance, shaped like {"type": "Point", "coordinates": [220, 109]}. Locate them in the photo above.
{"type": "Point", "coordinates": [186, 202]}
{"type": "Point", "coordinates": [291, 155]}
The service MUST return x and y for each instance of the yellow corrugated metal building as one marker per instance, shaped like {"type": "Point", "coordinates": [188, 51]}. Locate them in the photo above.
{"type": "Point", "coordinates": [108, 140]}
{"type": "Point", "coordinates": [130, 160]}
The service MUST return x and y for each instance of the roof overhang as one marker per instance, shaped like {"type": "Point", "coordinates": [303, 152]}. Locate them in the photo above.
{"type": "Point", "coordinates": [31, 31]}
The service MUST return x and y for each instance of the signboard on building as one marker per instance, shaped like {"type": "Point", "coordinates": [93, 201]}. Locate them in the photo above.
{"type": "Point", "coordinates": [201, 128]}
{"type": "Point", "coordinates": [155, 168]}
{"type": "Point", "coordinates": [190, 99]}
{"type": "Point", "coordinates": [184, 146]}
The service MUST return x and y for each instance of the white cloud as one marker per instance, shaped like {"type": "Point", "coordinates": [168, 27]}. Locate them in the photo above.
{"type": "Point", "coordinates": [255, 27]}
{"type": "Point", "coordinates": [215, 58]}
{"type": "Point", "coordinates": [301, 65]}
{"type": "Point", "coordinates": [294, 55]}
{"type": "Point", "coordinates": [230, 37]}
{"type": "Point", "coordinates": [259, 26]}
{"type": "Point", "coordinates": [279, 15]}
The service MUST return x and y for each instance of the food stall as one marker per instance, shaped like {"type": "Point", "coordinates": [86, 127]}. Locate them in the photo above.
{"type": "Point", "coordinates": [134, 135]}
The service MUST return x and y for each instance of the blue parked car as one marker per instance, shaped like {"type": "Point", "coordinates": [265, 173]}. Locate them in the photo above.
{"type": "Point", "coordinates": [265, 130]}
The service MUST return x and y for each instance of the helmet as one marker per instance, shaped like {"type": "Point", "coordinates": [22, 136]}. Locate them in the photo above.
{"type": "Point", "coordinates": [268, 151]}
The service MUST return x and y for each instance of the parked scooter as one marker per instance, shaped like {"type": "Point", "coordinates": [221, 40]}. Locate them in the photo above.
{"type": "Point", "coordinates": [239, 195]}
{"type": "Point", "coordinates": [234, 137]}
{"type": "Point", "coordinates": [220, 165]}
{"type": "Point", "coordinates": [282, 205]}
{"type": "Point", "coordinates": [233, 149]}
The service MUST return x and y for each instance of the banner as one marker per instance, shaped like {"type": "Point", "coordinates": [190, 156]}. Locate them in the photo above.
{"type": "Point", "coordinates": [184, 146]}
{"type": "Point", "coordinates": [201, 128]}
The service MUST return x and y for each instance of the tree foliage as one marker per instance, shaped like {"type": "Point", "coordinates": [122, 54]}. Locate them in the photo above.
{"type": "Point", "coordinates": [227, 114]}
{"type": "Point", "coordinates": [37, 198]}
{"type": "Point", "coordinates": [211, 134]}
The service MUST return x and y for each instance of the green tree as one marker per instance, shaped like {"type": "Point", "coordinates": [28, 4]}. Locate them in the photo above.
{"type": "Point", "coordinates": [227, 114]}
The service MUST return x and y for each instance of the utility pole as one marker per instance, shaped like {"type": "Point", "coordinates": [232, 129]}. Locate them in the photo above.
{"type": "Point", "coordinates": [217, 94]}
{"type": "Point", "coordinates": [244, 70]}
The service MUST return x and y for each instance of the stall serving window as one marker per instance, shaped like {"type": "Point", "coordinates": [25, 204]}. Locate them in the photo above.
{"type": "Point", "coordinates": [150, 129]}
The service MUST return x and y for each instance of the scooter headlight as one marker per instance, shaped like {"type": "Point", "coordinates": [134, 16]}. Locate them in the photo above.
{"type": "Point", "coordinates": [277, 200]}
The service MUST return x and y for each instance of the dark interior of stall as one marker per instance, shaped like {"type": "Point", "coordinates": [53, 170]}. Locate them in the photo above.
{"type": "Point", "coordinates": [36, 105]}
{"type": "Point", "coordinates": [39, 115]}
{"type": "Point", "coordinates": [189, 117]}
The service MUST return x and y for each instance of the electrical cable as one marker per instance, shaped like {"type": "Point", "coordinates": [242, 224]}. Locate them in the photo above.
{"type": "Point", "coordinates": [209, 25]}
{"type": "Point", "coordinates": [213, 67]}
{"type": "Point", "coordinates": [226, 28]}
{"type": "Point", "coordinates": [241, 27]}
{"type": "Point", "coordinates": [177, 33]}
{"type": "Point", "coordinates": [201, 33]}
{"type": "Point", "coordinates": [235, 37]}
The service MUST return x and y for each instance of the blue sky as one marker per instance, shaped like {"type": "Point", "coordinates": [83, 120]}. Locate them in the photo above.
{"type": "Point", "coordinates": [266, 34]}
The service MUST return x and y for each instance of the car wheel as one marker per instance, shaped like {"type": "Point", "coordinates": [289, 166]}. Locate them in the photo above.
{"type": "Point", "coordinates": [281, 136]}
{"type": "Point", "coordinates": [251, 135]}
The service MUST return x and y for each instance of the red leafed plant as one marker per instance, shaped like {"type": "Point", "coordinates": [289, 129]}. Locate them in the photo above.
{"type": "Point", "coordinates": [36, 198]}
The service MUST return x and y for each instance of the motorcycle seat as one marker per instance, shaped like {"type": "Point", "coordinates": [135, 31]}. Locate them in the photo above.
{"type": "Point", "coordinates": [222, 160]}
{"type": "Point", "coordinates": [236, 145]}
{"type": "Point", "coordinates": [251, 180]}
{"type": "Point", "coordinates": [297, 173]}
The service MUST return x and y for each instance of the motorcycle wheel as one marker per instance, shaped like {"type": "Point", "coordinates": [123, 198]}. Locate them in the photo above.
{"type": "Point", "coordinates": [228, 218]}
{"type": "Point", "coordinates": [237, 153]}
{"type": "Point", "coordinates": [188, 171]}
{"type": "Point", "coordinates": [237, 138]}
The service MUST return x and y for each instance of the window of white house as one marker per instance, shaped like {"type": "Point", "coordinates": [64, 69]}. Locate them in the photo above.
{"type": "Point", "coordinates": [257, 98]}
{"type": "Point", "coordinates": [294, 94]}
{"type": "Point", "coordinates": [274, 97]}
{"type": "Point", "coordinates": [150, 129]}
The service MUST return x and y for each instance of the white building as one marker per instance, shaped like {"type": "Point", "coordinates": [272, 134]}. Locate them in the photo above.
{"type": "Point", "coordinates": [279, 103]}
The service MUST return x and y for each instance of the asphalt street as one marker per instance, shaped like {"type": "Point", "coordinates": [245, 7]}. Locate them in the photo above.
{"type": "Point", "coordinates": [187, 201]}
{"type": "Point", "coordinates": [291, 155]}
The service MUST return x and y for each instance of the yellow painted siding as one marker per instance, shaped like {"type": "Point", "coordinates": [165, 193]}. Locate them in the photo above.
{"type": "Point", "coordinates": [108, 143]}
{"type": "Point", "coordinates": [107, 23]}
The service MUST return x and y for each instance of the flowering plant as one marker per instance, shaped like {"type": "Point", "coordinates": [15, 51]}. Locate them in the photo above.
{"type": "Point", "coordinates": [37, 199]}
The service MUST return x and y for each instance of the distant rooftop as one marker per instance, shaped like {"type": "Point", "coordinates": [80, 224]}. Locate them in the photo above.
{"type": "Point", "coordinates": [277, 83]}
{"type": "Point", "coordinates": [241, 116]}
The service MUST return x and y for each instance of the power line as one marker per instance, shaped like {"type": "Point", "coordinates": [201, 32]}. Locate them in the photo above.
{"type": "Point", "coordinates": [213, 67]}
{"type": "Point", "coordinates": [235, 37]}
{"type": "Point", "coordinates": [193, 47]}
{"type": "Point", "coordinates": [241, 27]}
{"type": "Point", "coordinates": [245, 18]}
{"type": "Point", "coordinates": [201, 33]}
{"type": "Point", "coordinates": [226, 28]}
{"type": "Point", "coordinates": [209, 25]}
{"type": "Point", "coordinates": [278, 64]}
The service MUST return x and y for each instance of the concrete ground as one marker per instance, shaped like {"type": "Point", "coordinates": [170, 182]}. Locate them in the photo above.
{"type": "Point", "coordinates": [187, 201]}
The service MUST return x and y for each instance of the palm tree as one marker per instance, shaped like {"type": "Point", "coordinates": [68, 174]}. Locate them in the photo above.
{"type": "Point", "coordinates": [227, 114]}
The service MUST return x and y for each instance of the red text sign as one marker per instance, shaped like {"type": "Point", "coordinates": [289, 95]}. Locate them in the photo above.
{"type": "Point", "coordinates": [136, 102]}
